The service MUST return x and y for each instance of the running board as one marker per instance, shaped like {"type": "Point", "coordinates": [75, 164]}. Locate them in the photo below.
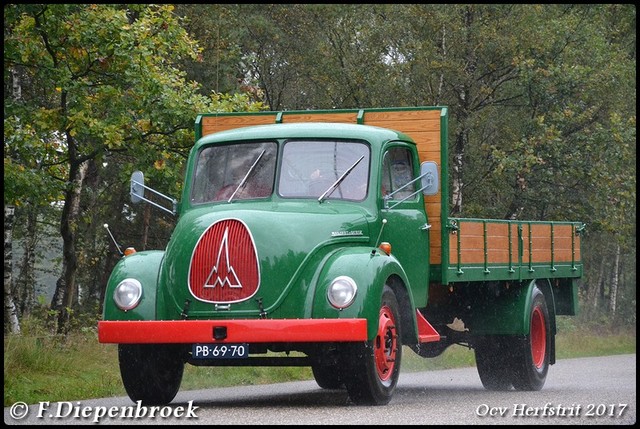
{"type": "Point", "coordinates": [426, 332]}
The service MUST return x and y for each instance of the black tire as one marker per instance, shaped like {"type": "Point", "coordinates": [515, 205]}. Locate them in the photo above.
{"type": "Point", "coordinates": [374, 366]}
{"type": "Point", "coordinates": [533, 352]}
{"type": "Point", "coordinates": [151, 373]}
{"type": "Point", "coordinates": [327, 376]}
{"type": "Point", "coordinates": [493, 364]}
{"type": "Point", "coordinates": [521, 362]}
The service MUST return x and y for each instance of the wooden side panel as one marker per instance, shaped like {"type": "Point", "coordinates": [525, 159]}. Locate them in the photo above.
{"type": "Point", "coordinates": [214, 124]}
{"type": "Point", "coordinates": [540, 243]}
{"type": "Point", "coordinates": [477, 242]}
{"type": "Point", "coordinates": [320, 117]}
{"type": "Point", "coordinates": [550, 243]}
{"type": "Point", "coordinates": [423, 126]}
{"type": "Point", "coordinates": [513, 244]}
{"type": "Point", "coordinates": [566, 244]}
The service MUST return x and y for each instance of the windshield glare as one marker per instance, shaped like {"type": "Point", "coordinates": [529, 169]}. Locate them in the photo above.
{"type": "Point", "coordinates": [309, 169]}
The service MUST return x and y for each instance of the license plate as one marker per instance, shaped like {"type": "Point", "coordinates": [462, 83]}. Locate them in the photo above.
{"type": "Point", "coordinates": [220, 351]}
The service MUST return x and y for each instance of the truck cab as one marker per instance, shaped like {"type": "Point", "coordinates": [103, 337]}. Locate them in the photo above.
{"type": "Point", "coordinates": [300, 193]}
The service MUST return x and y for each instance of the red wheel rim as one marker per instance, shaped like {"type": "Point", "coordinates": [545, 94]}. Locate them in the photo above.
{"type": "Point", "coordinates": [538, 337]}
{"type": "Point", "coordinates": [386, 344]}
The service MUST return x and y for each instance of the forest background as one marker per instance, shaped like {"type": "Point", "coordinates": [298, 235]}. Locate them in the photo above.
{"type": "Point", "coordinates": [542, 102]}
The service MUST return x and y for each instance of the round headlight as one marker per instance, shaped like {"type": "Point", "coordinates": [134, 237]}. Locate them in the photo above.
{"type": "Point", "coordinates": [127, 294]}
{"type": "Point", "coordinates": [342, 292]}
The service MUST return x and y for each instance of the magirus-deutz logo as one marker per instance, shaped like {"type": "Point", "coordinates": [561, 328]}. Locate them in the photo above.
{"type": "Point", "coordinates": [224, 266]}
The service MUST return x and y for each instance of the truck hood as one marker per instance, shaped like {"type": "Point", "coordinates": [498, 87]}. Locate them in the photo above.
{"type": "Point", "coordinates": [245, 259]}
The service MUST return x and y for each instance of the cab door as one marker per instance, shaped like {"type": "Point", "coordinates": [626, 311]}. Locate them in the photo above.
{"type": "Point", "coordinates": [407, 229]}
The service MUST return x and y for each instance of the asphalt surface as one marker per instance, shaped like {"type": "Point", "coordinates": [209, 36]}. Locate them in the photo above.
{"type": "Point", "coordinates": [593, 391]}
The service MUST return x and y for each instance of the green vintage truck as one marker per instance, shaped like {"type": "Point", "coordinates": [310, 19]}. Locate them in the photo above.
{"type": "Point", "coordinates": [323, 239]}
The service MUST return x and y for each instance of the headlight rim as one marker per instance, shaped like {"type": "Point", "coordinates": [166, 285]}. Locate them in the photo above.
{"type": "Point", "coordinates": [135, 302]}
{"type": "Point", "coordinates": [331, 289]}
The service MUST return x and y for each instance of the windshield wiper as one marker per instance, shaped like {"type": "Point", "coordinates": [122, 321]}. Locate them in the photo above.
{"type": "Point", "coordinates": [335, 185]}
{"type": "Point", "coordinates": [246, 176]}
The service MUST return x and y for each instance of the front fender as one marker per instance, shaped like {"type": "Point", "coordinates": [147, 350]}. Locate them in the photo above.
{"type": "Point", "coordinates": [143, 266]}
{"type": "Point", "coordinates": [370, 270]}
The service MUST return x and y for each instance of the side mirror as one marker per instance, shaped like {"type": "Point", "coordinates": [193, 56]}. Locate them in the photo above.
{"type": "Point", "coordinates": [137, 187]}
{"type": "Point", "coordinates": [429, 178]}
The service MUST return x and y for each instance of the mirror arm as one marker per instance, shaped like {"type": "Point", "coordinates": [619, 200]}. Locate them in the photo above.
{"type": "Point", "coordinates": [172, 200]}
{"type": "Point", "coordinates": [388, 196]}
{"type": "Point", "coordinates": [405, 198]}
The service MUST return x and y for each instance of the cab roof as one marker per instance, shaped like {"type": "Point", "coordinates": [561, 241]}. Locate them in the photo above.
{"type": "Point", "coordinates": [372, 134]}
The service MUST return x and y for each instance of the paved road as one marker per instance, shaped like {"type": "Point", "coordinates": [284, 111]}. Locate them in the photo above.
{"type": "Point", "coordinates": [600, 391]}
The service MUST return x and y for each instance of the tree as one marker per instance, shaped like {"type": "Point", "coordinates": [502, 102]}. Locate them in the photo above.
{"type": "Point", "coordinates": [103, 78]}
{"type": "Point", "coordinates": [541, 97]}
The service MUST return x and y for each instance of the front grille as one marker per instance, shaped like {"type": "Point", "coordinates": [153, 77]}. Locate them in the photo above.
{"type": "Point", "coordinates": [224, 266]}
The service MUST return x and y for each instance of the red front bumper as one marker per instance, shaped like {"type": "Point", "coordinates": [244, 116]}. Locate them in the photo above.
{"type": "Point", "coordinates": [232, 331]}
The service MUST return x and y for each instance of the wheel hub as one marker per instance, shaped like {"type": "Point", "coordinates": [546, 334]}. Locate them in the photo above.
{"type": "Point", "coordinates": [386, 344]}
{"type": "Point", "coordinates": [538, 338]}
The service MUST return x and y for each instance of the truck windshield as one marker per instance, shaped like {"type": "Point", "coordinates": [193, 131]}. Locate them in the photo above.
{"type": "Point", "coordinates": [235, 171]}
{"type": "Point", "coordinates": [311, 167]}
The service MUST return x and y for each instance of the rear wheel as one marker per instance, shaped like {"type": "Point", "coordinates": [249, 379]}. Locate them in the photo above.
{"type": "Point", "coordinates": [493, 363]}
{"type": "Point", "coordinates": [518, 361]}
{"type": "Point", "coordinates": [151, 373]}
{"type": "Point", "coordinates": [374, 366]}
{"type": "Point", "coordinates": [533, 352]}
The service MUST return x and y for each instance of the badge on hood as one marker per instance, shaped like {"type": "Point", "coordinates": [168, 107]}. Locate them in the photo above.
{"type": "Point", "coordinates": [224, 266]}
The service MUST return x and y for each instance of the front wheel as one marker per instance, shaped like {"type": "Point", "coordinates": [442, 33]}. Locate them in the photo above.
{"type": "Point", "coordinates": [151, 373]}
{"type": "Point", "coordinates": [374, 366]}
{"type": "Point", "coordinates": [328, 376]}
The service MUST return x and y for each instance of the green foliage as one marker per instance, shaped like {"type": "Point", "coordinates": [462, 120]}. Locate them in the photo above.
{"type": "Point", "coordinates": [109, 84]}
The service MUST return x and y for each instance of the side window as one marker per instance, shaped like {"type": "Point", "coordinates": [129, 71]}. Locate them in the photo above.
{"type": "Point", "coordinates": [397, 171]}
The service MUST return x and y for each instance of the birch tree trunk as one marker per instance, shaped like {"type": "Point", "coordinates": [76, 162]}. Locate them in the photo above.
{"type": "Point", "coordinates": [458, 168]}
{"type": "Point", "coordinates": [599, 284]}
{"type": "Point", "coordinates": [26, 280]}
{"type": "Point", "coordinates": [613, 291]}
{"type": "Point", "coordinates": [11, 322]}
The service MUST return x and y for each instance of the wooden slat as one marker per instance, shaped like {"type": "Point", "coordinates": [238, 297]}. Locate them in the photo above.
{"type": "Point", "coordinates": [324, 117]}
{"type": "Point", "coordinates": [214, 124]}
